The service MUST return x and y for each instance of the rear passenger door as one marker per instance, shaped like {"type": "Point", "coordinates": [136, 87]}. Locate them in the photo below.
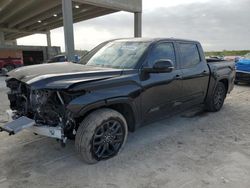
{"type": "Point", "coordinates": [195, 72]}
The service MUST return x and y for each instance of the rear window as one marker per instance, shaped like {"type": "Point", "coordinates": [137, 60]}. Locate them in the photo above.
{"type": "Point", "coordinates": [190, 56]}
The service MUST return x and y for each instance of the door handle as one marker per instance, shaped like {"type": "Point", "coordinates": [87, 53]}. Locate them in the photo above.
{"type": "Point", "coordinates": [178, 77]}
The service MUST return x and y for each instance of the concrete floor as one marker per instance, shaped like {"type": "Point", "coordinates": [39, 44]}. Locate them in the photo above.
{"type": "Point", "coordinates": [209, 150]}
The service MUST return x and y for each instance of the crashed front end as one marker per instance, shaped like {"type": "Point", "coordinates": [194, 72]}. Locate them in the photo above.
{"type": "Point", "coordinates": [44, 110]}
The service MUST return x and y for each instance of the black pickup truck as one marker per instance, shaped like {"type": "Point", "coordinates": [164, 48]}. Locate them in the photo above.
{"type": "Point", "coordinates": [120, 85]}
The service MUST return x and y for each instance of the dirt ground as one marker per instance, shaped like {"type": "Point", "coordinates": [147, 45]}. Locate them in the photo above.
{"type": "Point", "coordinates": [209, 150]}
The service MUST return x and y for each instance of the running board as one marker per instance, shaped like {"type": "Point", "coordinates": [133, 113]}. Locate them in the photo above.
{"type": "Point", "coordinates": [17, 125]}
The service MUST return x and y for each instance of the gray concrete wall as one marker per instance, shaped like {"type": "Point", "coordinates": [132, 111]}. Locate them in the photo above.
{"type": "Point", "coordinates": [10, 42]}
{"type": "Point", "coordinates": [52, 51]}
{"type": "Point", "coordinates": [48, 52]}
{"type": "Point", "coordinates": [126, 5]}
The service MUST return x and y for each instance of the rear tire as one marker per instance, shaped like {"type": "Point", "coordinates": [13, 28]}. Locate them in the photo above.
{"type": "Point", "coordinates": [217, 99]}
{"type": "Point", "coordinates": [101, 135]}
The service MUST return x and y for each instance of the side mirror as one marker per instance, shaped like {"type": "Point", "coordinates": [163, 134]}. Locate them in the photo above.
{"type": "Point", "coordinates": [161, 66]}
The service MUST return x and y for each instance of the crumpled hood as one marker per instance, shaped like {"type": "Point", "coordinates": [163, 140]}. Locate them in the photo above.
{"type": "Point", "coordinates": [61, 75]}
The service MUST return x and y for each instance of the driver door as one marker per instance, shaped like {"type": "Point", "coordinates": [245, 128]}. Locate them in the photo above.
{"type": "Point", "coordinates": [161, 91]}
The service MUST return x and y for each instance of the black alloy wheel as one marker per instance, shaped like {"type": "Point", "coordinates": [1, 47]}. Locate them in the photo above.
{"type": "Point", "coordinates": [216, 100]}
{"type": "Point", "coordinates": [219, 97]}
{"type": "Point", "coordinates": [107, 140]}
{"type": "Point", "coordinates": [101, 135]}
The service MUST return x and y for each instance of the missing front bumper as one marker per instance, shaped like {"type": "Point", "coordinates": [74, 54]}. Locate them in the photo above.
{"type": "Point", "coordinates": [25, 123]}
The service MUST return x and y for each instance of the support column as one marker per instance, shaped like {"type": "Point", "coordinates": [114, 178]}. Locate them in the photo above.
{"type": "Point", "coordinates": [68, 29]}
{"type": "Point", "coordinates": [2, 40]}
{"type": "Point", "coordinates": [48, 39]}
{"type": "Point", "coordinates": [138, 24]}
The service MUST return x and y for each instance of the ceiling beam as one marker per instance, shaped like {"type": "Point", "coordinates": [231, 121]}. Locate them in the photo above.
{"type": "Point", "coordinates": [49, 15]}
{"type": "Point", "coordinates": [14, 36]}
{"type": "Point", "coordinates": [58, 24]}
{"type": "Point", "coordinates": [83, 18]}
{"type": "Point", "coordinates": [4, 4]}
{"type": "Point", "coordinates": [8, 30]}
{"type": "Point", "coordinates": [15, 10]}
{"type": "Point", "coordinates": [42, 16]}
{"type": "Point", "coordinates": [125, 5]}
{"type": "Point", "coordinates": [94, 15]}
{"type": "Point", "coordinates": [43, 7]}
{"type": "Point", "coordinates": [56, 21]}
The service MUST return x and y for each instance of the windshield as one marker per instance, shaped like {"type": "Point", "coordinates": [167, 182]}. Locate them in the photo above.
{"type": "Point", "coordinates": [120, 55]}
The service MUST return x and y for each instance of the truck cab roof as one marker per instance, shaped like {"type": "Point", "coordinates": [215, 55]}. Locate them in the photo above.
{"type": "Point", "coordinates": [154, 40]}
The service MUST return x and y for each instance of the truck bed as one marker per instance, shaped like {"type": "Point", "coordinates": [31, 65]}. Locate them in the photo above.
{"type": "Point", "coordinates": [220, 70]}
{"type": "Point", "coordinates": [221, 64]}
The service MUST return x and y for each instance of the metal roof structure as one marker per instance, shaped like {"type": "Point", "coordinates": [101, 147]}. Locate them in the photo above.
{"type": "Point", "coordinates": [19, 18]}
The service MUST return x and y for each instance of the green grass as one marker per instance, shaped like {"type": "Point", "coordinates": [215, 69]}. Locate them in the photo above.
{"type": "Point", "coordinates": [228, 53]}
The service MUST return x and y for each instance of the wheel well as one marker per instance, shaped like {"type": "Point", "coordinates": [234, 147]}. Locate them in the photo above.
{"type": "Point", "coordinates": [122, 108]}
{"type": "Point", "coordinates": [225, 82]}
{"type": "Point", "coordinates": [127, 112]}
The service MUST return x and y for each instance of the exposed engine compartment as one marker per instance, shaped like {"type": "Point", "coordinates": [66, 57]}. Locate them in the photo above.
{"type": "Point", "coordinates": [46, 107]}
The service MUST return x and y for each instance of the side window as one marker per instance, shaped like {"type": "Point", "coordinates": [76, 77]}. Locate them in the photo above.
{"type": "Point", "coordinates": [189, 54]}
{"type": "Point", "coordinates": [162, 51]}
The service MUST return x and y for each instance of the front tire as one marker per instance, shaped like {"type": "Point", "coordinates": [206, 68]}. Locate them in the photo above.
{"type": "Point", "coordinates": [217, 99]}
{"type": "Point", "coordinates": [101, 135]}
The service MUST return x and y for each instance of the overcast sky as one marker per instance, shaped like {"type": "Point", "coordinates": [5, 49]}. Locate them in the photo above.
{"type": "Point", "coordinates": [217, 24]}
